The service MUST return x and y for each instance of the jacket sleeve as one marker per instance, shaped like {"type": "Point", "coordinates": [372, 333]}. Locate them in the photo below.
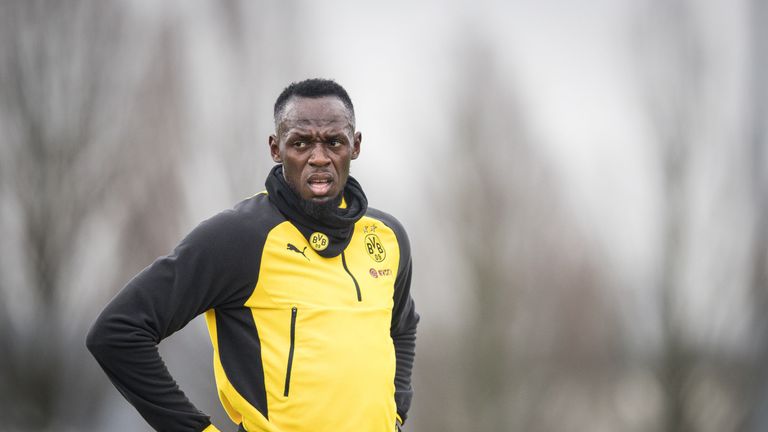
{"type": "Point", "coordinates": [204, 271]}
{"type": "Point", "coordinates": [403, 329]}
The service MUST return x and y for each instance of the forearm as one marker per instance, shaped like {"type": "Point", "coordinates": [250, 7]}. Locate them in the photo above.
{"type": "Point", "coordinates": [404, 339]}
{"type": "Point", "coordinates": [129, 357]}
{"type": "Point", "coordinates": [124, 339]}
{"type": "Point", "coordinates": [405, 352]}
{"type": "Point", "coordinates": [210, 268]}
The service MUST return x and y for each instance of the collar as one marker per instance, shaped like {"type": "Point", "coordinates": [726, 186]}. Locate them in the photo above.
{"type": "Point", "coordinates": [329, 234]}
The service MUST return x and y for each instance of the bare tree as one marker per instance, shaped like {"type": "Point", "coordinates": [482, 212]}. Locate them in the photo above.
{"type": "Point", "coordinates": [537, 322]}
{"type": "Point", "coordinates": [674, 81]}
{"type": "Point", "coordinates": [89, 135]}
{"type": "Point", "coordinates": [678, 82]}
{"type": "Point", "coordinates": [757, 100]}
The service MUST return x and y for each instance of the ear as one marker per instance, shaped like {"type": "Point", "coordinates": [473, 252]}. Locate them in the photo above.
{"type": "Point", "coordinates": [274, 149]}
{"type": "Point", "coordinates": [356, 145]}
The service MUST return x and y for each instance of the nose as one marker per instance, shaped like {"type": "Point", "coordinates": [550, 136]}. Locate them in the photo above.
{"type": "Point", "coordinates": [318, 156]}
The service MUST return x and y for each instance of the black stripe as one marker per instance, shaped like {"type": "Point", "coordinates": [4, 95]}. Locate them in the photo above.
{"type": "Point", "coordinates": [357, 287]}
{"type": "Point", "coordinates": [240, 355]}
{"type": "Point", "coordinates": [294, 312]}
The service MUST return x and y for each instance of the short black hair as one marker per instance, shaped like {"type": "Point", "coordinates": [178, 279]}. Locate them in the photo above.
{"type": "Point", "coordinates": [313, 88]}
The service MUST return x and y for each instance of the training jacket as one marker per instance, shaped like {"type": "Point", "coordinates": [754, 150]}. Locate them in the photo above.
{"type": "Point", "coordinates": [301, 342]}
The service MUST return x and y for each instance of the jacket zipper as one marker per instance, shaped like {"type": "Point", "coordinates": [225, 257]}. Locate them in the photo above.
{"type": "Point", "coordinates": [357, 287]}
{"type": "Point", "coordinates": [294, 312]}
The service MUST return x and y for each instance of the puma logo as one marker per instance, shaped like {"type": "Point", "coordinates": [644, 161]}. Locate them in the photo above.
{"type": "Point", "coordinates": [295, 249]}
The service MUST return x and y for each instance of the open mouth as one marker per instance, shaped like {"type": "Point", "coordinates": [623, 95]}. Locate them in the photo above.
{"type": "Point", "coordinates": [320, 185]}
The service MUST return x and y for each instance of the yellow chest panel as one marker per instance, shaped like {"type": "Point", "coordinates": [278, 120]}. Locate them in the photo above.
{"type": "Point", "coordinates": [293, 274]}
{"type": "Point", "coordinates": [324, 326]}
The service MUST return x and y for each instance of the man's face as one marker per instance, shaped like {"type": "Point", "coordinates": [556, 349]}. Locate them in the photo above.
{"type": "Point", "coordinates": [315, 141]}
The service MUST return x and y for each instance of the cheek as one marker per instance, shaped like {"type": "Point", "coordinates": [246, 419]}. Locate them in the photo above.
{"type": "Point", "coordinates": [291, 170]}
{"type": "Point", "coordinates": [343, 167]}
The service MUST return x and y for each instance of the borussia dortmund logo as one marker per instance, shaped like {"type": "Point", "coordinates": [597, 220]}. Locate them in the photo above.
{"type": "Point", "coordinates": [374, 248]}
{"type": "Point", "coordinates": [318, 241]}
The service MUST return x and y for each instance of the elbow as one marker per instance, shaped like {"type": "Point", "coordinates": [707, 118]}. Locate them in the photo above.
{"type": "Point", "coordinates": [97, 340]}
{"type": "Point", "coordinates": [406, 327]}
{"type": "Point", "coordinates": [93, 340]}
{"type": "Point", "coordinates": [114, 334]}
{"type": "Point", "coordinates": [414, 322]}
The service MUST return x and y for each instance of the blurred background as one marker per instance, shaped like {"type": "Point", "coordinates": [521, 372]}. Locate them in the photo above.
{"type": "Point", "coordinates": [585, 185]}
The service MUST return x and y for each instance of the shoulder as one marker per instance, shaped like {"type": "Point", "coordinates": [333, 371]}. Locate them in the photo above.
{"type": "Point", "coordinates": [385, 218]}
{"type": "Point", "coordinates": [248, 221]}
{"type": "Point", "coordinates": [256, 212]}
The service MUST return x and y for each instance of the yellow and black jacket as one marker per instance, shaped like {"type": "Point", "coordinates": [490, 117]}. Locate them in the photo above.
{"type": "Point", "coordinates": [311, 330]}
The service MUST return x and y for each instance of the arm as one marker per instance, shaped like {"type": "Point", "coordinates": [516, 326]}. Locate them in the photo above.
{"type": "Point", "coordinates": [200, 274]}
{"type": "Point", "coordinates": [403, 331]}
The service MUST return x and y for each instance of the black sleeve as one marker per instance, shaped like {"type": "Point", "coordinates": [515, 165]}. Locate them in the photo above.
{"type": "Point", "coordinates": [403, 329]}
{"type": "Point", "coordinates": [207, 269]}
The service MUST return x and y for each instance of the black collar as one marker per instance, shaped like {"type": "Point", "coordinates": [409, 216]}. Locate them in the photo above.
{"type": "Point", "coordinates": [330, 234]}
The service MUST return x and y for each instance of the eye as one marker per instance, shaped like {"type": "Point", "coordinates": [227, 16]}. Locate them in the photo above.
{"type": "Point", "coordinates": [299, 144]}
{"type": "Point", "coordinates": [334, 142]}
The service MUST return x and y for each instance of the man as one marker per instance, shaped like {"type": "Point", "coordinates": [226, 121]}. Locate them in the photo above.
{"type": "Point", "coordinates": [305, 290]}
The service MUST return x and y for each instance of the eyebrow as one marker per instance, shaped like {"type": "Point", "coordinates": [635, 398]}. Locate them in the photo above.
{"type": "Point", "coordinates": [349, 121]}
{"type": "Point", "coordinates": [329, 135]}
{"type": "Point", "coordinates": [299, 129]}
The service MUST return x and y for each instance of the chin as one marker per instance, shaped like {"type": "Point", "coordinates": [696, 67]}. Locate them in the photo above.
{"type": "Point", "coordinates": [309, 196]}
{"type": "Point", "coordinates": [320, 207]}
{"type": "Point", "coordinates": [332, 197]}
{"type": "Point", "coordinates": [323, 199]}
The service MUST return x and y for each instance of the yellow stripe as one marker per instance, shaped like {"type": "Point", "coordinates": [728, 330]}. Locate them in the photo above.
{"type": "Point", "coordinates": [257, 194]}
{"type": "Point", "coordinates": [237, 408]}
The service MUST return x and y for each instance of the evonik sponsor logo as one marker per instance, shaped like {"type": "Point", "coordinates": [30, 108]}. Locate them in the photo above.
{"type": "Point", "coordinates": [380, 272]}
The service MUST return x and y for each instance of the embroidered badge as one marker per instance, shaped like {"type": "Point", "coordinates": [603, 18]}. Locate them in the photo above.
{"type": "Point", "coordinates": [374, 248]}
{"type": "Point", "coordinates": [318, 241]}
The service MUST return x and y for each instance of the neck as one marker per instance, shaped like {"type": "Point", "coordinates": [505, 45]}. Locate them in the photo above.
{"type": "Point", "coordinates": [320, 210]}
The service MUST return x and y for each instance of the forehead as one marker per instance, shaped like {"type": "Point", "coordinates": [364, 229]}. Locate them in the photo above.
{"type": "Point", "coordinates": [302, 112]}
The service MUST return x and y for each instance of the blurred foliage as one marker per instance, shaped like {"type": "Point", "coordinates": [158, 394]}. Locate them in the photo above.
{"type": "Point", "coordinates": [124, 123]}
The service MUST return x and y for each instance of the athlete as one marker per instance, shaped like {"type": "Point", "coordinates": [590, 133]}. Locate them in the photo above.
{"type": "Point", "coordinates": [305, 291]}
